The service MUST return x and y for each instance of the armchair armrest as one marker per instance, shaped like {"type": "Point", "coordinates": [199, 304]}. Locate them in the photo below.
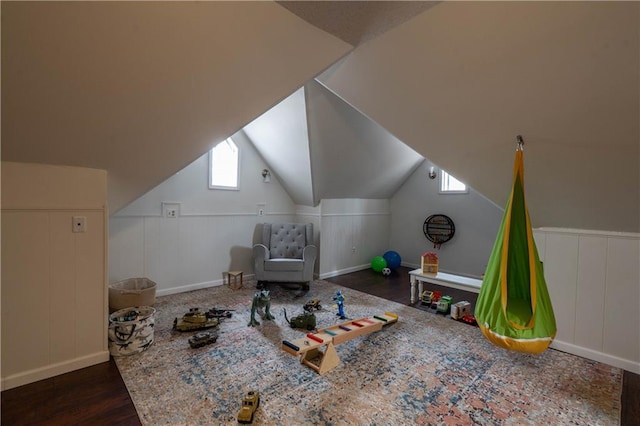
{"type": "Point", "coordinates": [309, 255]}
{"type": "Point", "coordinates": [260, 254]}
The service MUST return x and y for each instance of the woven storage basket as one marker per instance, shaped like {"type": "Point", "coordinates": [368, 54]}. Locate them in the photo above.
{"type": "Point", "coordinates": [131, 292]}
{"type": "Point", "coordinates": [131, 330]}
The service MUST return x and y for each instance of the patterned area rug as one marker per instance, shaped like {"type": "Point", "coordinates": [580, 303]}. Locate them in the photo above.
{"type": "Point", "coordinates": [424, 369]}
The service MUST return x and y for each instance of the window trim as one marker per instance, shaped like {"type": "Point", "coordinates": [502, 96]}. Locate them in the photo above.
{"type": "Point", "coordinates": [441, 190]}
{"type": "Point", "coordinates": [210, 164]}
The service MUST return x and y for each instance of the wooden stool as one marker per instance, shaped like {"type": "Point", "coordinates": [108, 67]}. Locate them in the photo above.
{"type": "Point", "coordinates": [232, 279]}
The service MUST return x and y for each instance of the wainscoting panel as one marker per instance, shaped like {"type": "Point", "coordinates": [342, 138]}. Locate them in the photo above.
{"type": "Point", "coordinates": [594, 282]}
{"type": "Point", "coordinates": [560, 266]}
{"type": "Point", "coordinates": [622, 299]}
{"type": "Point", "coordinates": [590, 306]}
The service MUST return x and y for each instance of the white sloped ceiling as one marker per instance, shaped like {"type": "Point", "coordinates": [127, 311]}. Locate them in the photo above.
{"type": "Point", "coordinates": [320, 147]}
{"type": "Point", "coordinates": [141, 89]}
{"type": "Point", "coordinates": [459, 82]}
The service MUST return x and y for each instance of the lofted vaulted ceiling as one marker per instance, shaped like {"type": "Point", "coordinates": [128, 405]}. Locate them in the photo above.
{"type": "Point", "coordinates": [141, 89]}
{"type": "Point", "coordinates": [357, 21]}
{"type": "Point", "coordinates": [321, 148]}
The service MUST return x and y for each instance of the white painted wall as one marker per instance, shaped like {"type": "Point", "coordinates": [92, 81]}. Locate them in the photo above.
{"type": "Point", "coordinates": [54, 304]}
{"type": "Point", "coordinates": [351, 155]}
{"type": "Point", "coordinates": [476, 220]}
{"type": "Point", "coordinates": [594, 283]}
{"type": "Point", "coordinates": [353, 231]}
{"type": "Point", "coordinates": [214, 232]}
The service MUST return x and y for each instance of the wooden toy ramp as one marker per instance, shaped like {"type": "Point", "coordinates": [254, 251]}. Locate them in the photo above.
{"type": "Point", "coordinates": [317, 350]}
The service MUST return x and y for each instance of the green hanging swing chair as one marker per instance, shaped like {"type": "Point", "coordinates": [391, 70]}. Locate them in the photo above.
{"type": "Point", "coordinates": [514, 310]}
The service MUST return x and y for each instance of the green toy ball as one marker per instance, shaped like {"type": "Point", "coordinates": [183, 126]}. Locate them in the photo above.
{"type": "Point", "coordinates": [378, 264]}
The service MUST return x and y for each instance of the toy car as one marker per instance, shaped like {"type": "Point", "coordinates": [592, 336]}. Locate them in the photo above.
{"type": "Point", "coordinates": [250, 403]}
{"type": "Point", "coordinates": [470, 319]}
{"type": "Point", "coordinates": [444, 304]}
{"type": "Point", "coordinates": [204, 338]}
{"type": "Point", "coordinates": [312, 304]}
{"type": "Point", "coordinates": [430, 297]}
{"type": "Point", "coordinates": [460, 309]}
{"type": "Point", "coordinates": [306, 320]}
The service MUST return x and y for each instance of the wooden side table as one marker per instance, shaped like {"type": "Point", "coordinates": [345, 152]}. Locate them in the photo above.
{"type": "Point", "coordinates": [234, 279]}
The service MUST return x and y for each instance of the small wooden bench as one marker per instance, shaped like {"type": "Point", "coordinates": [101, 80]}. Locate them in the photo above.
{"type": "Point", "coordinates": [443, 279]}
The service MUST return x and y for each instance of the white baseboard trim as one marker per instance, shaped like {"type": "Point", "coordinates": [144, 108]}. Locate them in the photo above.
{"type": "Point", "coordinates": [343, 271]}
{"type": "Point", "coordinates": [47, 371]}
{"type": "Point", "coordinates": [198, 286]}
{"type": "Point", "coordinates": [189, 287]}
{"type": "Point", "coordinates": [625, 364]}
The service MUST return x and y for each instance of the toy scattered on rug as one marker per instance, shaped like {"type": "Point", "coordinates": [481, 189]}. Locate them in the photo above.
{"type": "Point", "coordinates": [194, 320]}
{"type": "Point", "coordinates": [219, 313]}
{"type": "Point", "coordinates": [470, 319]}
{"type": "Point", "coordinates": [430, 298]}
{"type": "Point", "coordinates": [250, 404]}
{"type": "Point", "coordinates": [203, 338]}
{"type": "Point", "coordinates": [460, 309]}
{"type": "Point", "coordinates": [317, 350]}
{"type": "Point", "coordinates": [261, 300]}
{"type": "Point", "coordinates": [444, 304]}
{"type": "Point", "coordinates": [313, 304]}
{"type": "Point", "coordinates": [339, 299]}
{"type": "Point", "coordinates": [306, 320]}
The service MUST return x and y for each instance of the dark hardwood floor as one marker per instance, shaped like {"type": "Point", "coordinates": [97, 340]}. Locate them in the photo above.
{"type": "Point", "coordinates": [94, 395]}
{"type": "Point", "coordinates": [97, 395]}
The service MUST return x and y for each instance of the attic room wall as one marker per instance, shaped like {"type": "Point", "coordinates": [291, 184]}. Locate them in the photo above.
{"type": "Point", "coordinates": [460, 81]}
{"type": "Point", "coordinates": [353, 232]}
{"type": "Point", "coordinates": [214, 232]}
{"type": "Point", "coordinates": [54, 304]}
{"type": "Point", "coordinates": [476, 220]}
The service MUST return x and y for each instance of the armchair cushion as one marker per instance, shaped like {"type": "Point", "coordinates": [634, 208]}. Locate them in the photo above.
{"type": "Point", "coordinates": [286, 253]}
{"type": "Point", "coordinates": [286, 240]}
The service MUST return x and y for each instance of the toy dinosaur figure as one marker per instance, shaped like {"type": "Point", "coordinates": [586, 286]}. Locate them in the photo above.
{"type": "Point", "coordinates": [261, 299]}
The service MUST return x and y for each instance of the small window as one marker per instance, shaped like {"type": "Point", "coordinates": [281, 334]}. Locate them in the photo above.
{"type": "Point", "coordinates": [451, 185]}
{"type": "Point", "coordinates": [224, 161]}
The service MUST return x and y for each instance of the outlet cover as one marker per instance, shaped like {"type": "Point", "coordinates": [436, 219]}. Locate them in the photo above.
{"type": "Point", "coordinates": [79, 224]}
{"type": "Point", "coordinates": [262, 209]}
{"type": "Point", "coordinates": [170, 210]}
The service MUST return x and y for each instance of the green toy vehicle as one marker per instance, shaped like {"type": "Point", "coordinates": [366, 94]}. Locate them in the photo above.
{"type": "Point", "coordinates": [306, 320]}
{"type": "Point", "coordinates": [194, 320]}
{"type": "Point", "coordinates": [444, 304]}
{"type": "Point", "coordinates": [250, 403]}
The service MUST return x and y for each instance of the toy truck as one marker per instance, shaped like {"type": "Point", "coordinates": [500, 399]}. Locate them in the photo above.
{"type": "Point", "coordinates": [306, 320]}
{"type": "Point", "coordinates": [312, 305]}
{"type": "Point", "coordinates": [460, 309]}
{"type": "Point", "coordinates": [444, 304]}
{"type": "Point", "coordinates": [250, 403]}
{"type": "Point", "coordinates": [430, 297]}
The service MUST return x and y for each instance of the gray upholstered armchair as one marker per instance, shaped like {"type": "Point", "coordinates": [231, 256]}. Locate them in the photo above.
{"type": "Point", "coordinates": [286, 254]}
